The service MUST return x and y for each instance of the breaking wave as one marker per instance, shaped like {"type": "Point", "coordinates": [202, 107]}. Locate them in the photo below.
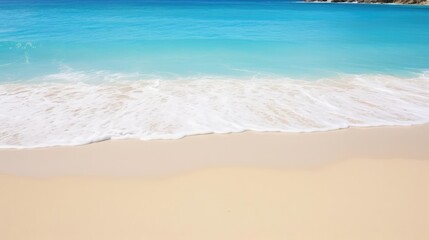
{"type": "Point", "coordinates": [73, 108]}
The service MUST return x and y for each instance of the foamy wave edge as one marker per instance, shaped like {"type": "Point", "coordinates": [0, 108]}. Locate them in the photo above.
{"type": "Point", "coordinates": [75, 108]}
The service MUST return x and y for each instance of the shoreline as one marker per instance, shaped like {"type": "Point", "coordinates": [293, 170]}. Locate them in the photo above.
{"type": "Point", "coordinates": [250, 131]}
{"type": "Point", "coordinates": [80, 113]}
{"type": "Point", "coordinates": [163, 157]}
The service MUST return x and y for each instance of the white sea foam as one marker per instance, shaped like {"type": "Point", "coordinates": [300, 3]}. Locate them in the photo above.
{"type": "Point", "coordinates": [72, 108]}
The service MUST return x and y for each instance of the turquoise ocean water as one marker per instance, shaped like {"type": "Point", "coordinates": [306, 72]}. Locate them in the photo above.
{"type": "Point", "coordinates": [74, 72]}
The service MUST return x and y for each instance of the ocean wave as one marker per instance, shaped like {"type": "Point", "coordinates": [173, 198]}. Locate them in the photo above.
{"type": "Point", "coordinates": [73, 108]}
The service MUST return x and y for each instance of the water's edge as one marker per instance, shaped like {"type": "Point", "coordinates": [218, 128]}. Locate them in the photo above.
{"type": "Point", "coordinates": [75, 112]}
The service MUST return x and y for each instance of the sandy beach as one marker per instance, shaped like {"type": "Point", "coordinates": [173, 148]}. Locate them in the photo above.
{"type": "Point", "coordinates": [369, 183]}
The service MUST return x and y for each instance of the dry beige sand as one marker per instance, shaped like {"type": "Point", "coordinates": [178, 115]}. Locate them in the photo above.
{"type": "Point", "coordinates": [349, 184]}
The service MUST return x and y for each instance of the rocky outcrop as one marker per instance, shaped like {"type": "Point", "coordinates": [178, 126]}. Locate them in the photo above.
{"type": "Point", "coordinates": [376, 1]}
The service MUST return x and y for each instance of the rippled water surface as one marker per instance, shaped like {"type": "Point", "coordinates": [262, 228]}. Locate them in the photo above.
{"type": "Point", "coordinates": [73, 72]}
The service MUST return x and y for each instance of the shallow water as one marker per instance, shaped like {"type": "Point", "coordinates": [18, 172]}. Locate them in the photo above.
{"type": "Point", "coordinates": [74, 72]}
